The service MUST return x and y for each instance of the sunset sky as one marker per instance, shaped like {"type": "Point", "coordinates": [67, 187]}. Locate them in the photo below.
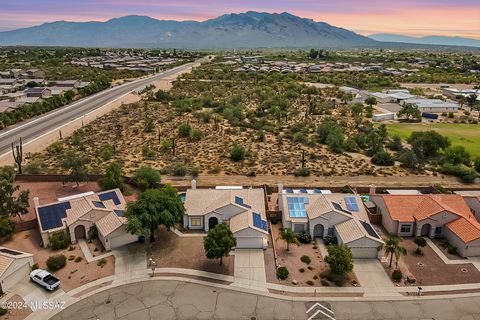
{"type": "Point", "coordinates": [409, 17]}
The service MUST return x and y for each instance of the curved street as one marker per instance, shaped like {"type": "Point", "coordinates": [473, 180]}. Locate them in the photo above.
{"type": "Point", "coordinates": [167, 299]}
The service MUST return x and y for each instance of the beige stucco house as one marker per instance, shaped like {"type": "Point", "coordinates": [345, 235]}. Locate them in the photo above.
{"type": "Point", "coordinates": [242, 209]}
{"type": "Point", "coordinates": [103, 212]}
{"type": "Point", "coordinates": [15, 266]}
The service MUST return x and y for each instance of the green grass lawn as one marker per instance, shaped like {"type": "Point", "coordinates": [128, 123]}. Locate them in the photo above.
{"type": "Point", "coordinates": [467, 135]}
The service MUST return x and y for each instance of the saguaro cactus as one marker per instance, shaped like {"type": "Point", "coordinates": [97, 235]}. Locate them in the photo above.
{"type": "Point", "coordinates": [17, 152]}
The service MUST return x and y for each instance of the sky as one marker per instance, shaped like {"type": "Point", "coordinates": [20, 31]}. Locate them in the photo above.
{"type": "Point", "coordinates": [408, 17]}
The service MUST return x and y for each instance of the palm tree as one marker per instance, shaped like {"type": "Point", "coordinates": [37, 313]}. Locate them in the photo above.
{"type": "Point", "coordinates": [472, 103]}
{"type": "Point", "coordinates": [393, 247]}
{"type": "Point", "coordinates": [289, 237]}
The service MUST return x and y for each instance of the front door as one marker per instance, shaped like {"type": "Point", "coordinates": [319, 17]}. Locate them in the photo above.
{"type": "Point", "coordinates": [212, 222]}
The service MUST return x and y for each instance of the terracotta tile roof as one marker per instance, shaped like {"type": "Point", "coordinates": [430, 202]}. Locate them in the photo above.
{"type": "Point", "coordinates": [409, 208]}
{"type": "Point", "coordinates": [109, 223]}
{"type": "Point", "coordinates": [466, 229]}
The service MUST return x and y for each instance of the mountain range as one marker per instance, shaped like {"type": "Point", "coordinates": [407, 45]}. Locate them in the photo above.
{"type": "Point", "coordinates": [244, 30]}
{"type": "Point", "coordinates": [427, 40]}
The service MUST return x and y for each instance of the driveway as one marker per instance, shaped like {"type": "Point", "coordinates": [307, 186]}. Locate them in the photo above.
{"type": "Point", "coordinates": [371, 274]}
{"type": "Point", "coordinates": [249, 269]}
{"type": "Point", "coordinates": [33, 294]}
{"type": "Point", "coordinates": [130, 262]}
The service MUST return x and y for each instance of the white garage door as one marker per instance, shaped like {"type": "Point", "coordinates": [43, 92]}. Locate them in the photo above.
{"type": "Point", "coordinates": [122, 240]}
{"type": "Point", "coordinates": [16, 276]}
{"type": "Point", "coordinates": [364, 252]}
{"type": "Point", "coordinates": [250, 243]}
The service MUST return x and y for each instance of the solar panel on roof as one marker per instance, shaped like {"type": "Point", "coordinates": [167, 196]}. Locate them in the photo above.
{"type": "Point", "coordinates": [99, 204]}
{"type": "Point", "coordinates": [339, 207]}
{"type": "Point", "coordinates": [317, 191]}
{"type": "Point", "coordinates": [112, 195]}
{"type": "Point", "coordinates": [239, 201]}
{"type": "Point", "coordinates": [119, 213]}
{"type": "Point", "coordinates": [289, 190]}
{"type": "Point", "coordinates": [351, 203]}
{"type": "Point", "coordinates": [303, 190]}
{"type": "Point", "coordinates": [368, 227]}
{"type": "Point", "coordinates": [296, 207]}
{"type": "Point", "coordinates": [51, 216]}
{"type": "Point", "coordinates": [258, 222]}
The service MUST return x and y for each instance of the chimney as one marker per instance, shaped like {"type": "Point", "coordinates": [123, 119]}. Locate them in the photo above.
{"type": "Point", "coordinates": [280, 189]}
{"type": "Point", "coordinates": [373, 189]}
{"type": "Point", "coordinates": [36, 201]}
{"type": "Point", "coordinates": [194, 184]}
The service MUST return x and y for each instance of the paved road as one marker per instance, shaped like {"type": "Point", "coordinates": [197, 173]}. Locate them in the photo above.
{"type": "Point", "coordinates": [54, 119]}
{"type": "Point", "coordinates": [164, 300]}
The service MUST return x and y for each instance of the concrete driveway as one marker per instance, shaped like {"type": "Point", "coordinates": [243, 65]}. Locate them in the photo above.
{"type": "Point", "coordinates": [249, 269]}
{"type": "Point", "coordinates": [371, 274]}
{"type": "Point", "coordinates": [33, 294]}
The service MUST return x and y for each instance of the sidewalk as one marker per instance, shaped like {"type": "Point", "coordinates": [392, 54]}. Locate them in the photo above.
{"type": "Point", "coordinates": [88, 255]}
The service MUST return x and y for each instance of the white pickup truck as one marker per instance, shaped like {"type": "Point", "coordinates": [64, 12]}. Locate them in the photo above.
{"type": "Point", "coordinates": [45, 279]}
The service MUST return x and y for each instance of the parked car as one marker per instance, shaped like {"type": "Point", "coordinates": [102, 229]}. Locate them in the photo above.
{"type": "Point", "coordinates": [45, 279]}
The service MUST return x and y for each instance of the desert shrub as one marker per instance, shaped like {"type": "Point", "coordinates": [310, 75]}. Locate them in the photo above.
{"type": "Point", "coordinates": [163, 96]}
{"type": "Point", "coordinates": [56, 262]}
{"type": "Point", "coordinates": [315, 277]}
{"type": "Point", "coordinates": [302, 172]}
{"type": "Point", "coordinates": [195, 171]}
{"type": "Point", "coordinates": [282, 273]}
{"type": "Point", "coordinates": [146, 177]}
{"type": "Point", "coordinates": [184, 130]}
{"type": "Point", "coordinates": [310, 283]}
{"type": "Point", "coordinates": [102, 262]}
{"type": "Point", "coordinates": [466, 174]}
{"type": "Point", "coordinates": [148, 153]}
{"type": "Point", "coordinates": [382, 158]}
{"type": "Point", "coordinates": [305, 259]}
{"type": "Point", "coordinates": [310, 268]}
{"type": "Point", "coordinates": [304, 237]}
{"type": "Point", "coordinates": [325, 283]}
{"type": "Point", "coordinates": [397, 275]}
{"type": "Point", "coordinates": [237, 153]}
{"type": "Point", "coordinates": [196, 135]}
{"type": "Point", "coordinates": [35, 266]}
{"type": "Point", "coordinates": [70, 258]}
{"type": "Point", "coordinates": [273, 218]}
{"type": "Point", "coordinates": [33, 167]}
{"type": "Point", "coordinates": [7, 226]}
{"type": "Point", "coordinates": [3, 311]}
{"type": "Point", "coordinates": [106, 152]}
{"type": "Point", "coordinates": [179, 169]}
{"type": "Point", "coordinates": [59, 240]}
{"type": "Point", "coordinates": [302, 270]}
{"type": "Point", "coordinates": [452, 249]}
{"type": "Point", "coordinates": [330, 239]}
{"type": "Point", "coordinates": [166, 145]}
{"type": "Point", "coordinates": [78, 259]}
{"type": "Point", "coordinates": [55, 148]}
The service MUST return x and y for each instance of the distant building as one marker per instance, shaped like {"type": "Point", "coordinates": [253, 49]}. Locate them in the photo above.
{"type": "Point", "coordinates": [68, 84]}
{"type": "Point", "coordinates": [40, 92]}
{"type": "Point", "coordinates": [434, 105]}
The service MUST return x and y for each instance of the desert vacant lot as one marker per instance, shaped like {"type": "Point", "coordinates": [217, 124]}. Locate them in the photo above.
{"type": "Point", "coordinates": [467, 135]}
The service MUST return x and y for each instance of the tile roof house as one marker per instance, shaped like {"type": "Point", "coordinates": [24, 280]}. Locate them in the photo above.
{"type": "Point", "coordinates": [431, 215]}
{"type": "Point", "coordinates": [15, 266]}
{"type": "Point", "coordinates": [103, 211]}
{"type": "Point", "coordinates": [242, 209]}
{"type": "Point", "coordinates": [321, 214]}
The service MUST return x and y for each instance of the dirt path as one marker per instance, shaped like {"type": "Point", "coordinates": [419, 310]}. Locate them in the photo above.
{"type": "Point", "coordinates": [317, 181]}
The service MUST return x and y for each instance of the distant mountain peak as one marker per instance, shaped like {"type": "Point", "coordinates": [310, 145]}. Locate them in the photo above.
{"type": "Point", "coordinates": [235, 30]}
{"type": "Point", "coordinates": [427, 40]}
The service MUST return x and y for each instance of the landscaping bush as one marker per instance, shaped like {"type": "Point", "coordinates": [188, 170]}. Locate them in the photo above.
{"type": "Point", "coordinates": [102, 262]}
{"type": "Point", "coordinates": [7, 226]}
{"type": "Point", "coordinates": [302, 172]}
{"type": "Point", "coordinates": [330, 239]}
{"type": "Point", "coordinates": [306, 259]}
{"type": "Point", "coordinates": [35, 266]}
{"type": "Point", "coordinates": [383, 158]}
{"type": "Point", "coordinates": [310, 268]}
{"type": "Point", "coordinates": [179, 169]}
{"type": "Point", "coordinates": [282, 273]}
{"type": "Point", "coordinates": [310, 283]}
{"type": "Point", "coordinates": [59, 240]}
{"type": "Point", "coordinates": [3, 311]}
{"type": "Point", "coordinates": [452, 249]}
{"type": "Point", "coordinates": [304, 237]}
{"type": "Point", "coordinates": [302, 270]}
{"type": "Point", "coordinates": [273, 218]}
{"type": "Point", "coordinates": [56, 262]}
{"type": "Point", "coordinates": [237, 153]}
{"type": "Point", "coordinates": [78, 259]}
{"type": "Point", "coordinates": [397, 275]}
{"type": "Point", "coordinates": [325, 283]}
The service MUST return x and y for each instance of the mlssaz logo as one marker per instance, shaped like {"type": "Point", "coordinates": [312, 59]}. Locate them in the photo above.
{"type": "Point", "coordinates": [319, 311]}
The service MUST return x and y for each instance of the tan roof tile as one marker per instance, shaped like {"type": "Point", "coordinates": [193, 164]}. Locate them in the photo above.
{"type": "Point", "coordinates": [108, 224]}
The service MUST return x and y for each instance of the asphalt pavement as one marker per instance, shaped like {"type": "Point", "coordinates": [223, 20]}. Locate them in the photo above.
{"type": "Point", "coordinates": [45, 123]}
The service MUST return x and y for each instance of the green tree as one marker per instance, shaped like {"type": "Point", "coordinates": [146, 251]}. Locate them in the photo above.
{"type": "Point", "coordinates": [13, 202]}
{"type": "Point", "coordinates": [154, 207]}
{"type": "Point", "coordinates": [473, 103]}
{"type": "Point", "coordinates": [106, 152]}
{"type": "Point", "coordinates": [74, 164]}
{"type": "Point", "coordinates": [409, 159]}
{"type": "Point", "coordinates": [113, 177]}
{"type": "Point", "coordinates": [371, 101]}
{"type": "Point", "coordinates": [335, 141]}
{"type": "Point", "coordinates": [237, 153]}
{"type": "Point", "coordinates": [420, 242]}
{"type": "Point", "coordinates": [477, 164]}
{"type": "Point", "coordinates": [357, 109]}
{"type": "Point", "coordinates": [395, 144]}
{"type": "Point", "coordinates": [383, 158]}
{"type": "Point", "coordinates": [426, 144]}
{"type": "Point", "coordinates": [393, 248]}
{"type": "Point", "coordinates": [457, 155]}
{"type": "Point", "coordinates": [410, 111]}
{"type": "Point", "coordinates": [289, 237]}
{"type": "Point", "coordinates": [146, 177]}
{"type": "Point", "coordinates": [339, 258]}
{"type": "Point", "coordinates": [219, 242]}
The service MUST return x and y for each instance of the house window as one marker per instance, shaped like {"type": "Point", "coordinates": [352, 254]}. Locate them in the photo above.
{"type": "Point", "coordinates": [438, 230]}
{"type": "Point", "coordinates": [405, 228]}
{"type": "Point", "coordinates": [196, 222]}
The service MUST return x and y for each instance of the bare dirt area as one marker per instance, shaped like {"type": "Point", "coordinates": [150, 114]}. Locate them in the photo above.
{"type": "Point", "coordinates": [172, 251]}
{"type": "Point", "coordinates": [17, 309]}
{"type": "Point", "coordinates": [429, 269]}
{"type": "Point", "coordinates": [315, 273]}
{"type": "Point", "coordinates": [74, 274]}
{"type": "Point", "coordinates": [49, 192]}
